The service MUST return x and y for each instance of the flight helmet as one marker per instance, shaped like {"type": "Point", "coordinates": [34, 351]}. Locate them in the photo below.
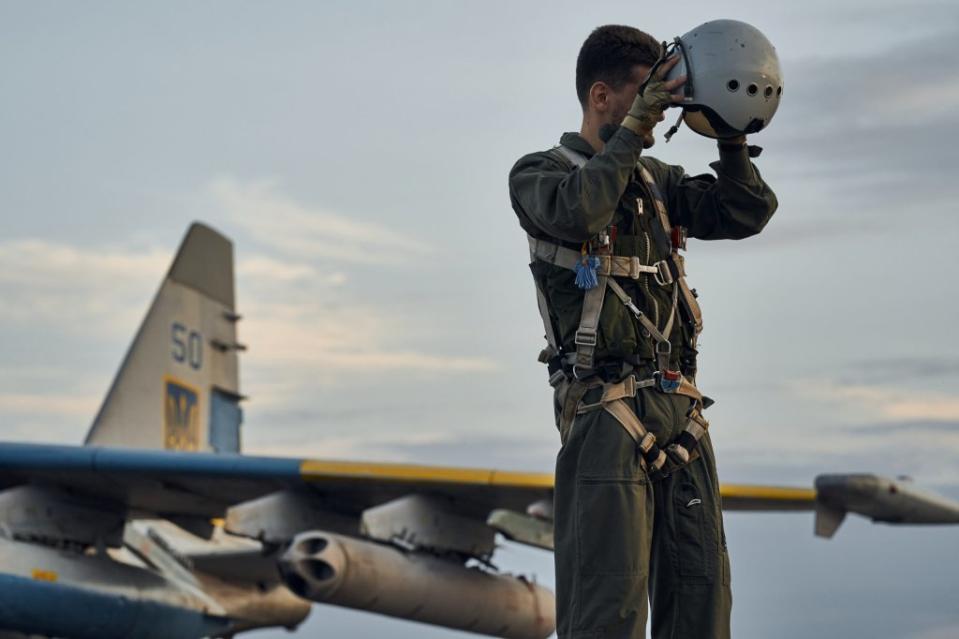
{"type": "Point", "coordinates": [733, 79]}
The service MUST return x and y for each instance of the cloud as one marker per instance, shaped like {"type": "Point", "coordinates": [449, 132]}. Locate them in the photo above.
{"type": "Point", "coordinates": [299, 230]}
{"type": "Point", "coordinates": [864, 403]}
{"type": "Point", "coordinates": [870, 133]}
{"type": "Point", "coordinates": [74, 288]}
{"type": "Point", "coordinates": [948, 631]}
{"type": "Point", "coordinates": [815, 425]}
{"type": "Point", "coordinates": [259, 267]}
{"type": "Point", "coordinates": [80, 289]}
{"type": "Point", "coordinates": [424, 446]}
{"type": "Point", "coordinates": [904, 81]}
{"type": "Point", "coordinates": [305, 328]}
{"type": "Point", "coordinates": [49, 405]}
{"type": "Point", "coordinates": [876, 370]}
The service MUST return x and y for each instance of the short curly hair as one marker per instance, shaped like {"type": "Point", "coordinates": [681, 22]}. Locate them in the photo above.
{"type": "Point", "coordinates": [609, 55]}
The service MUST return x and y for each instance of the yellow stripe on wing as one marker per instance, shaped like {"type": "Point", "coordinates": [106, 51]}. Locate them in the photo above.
{"type": "Point", "coordinates": [318, 471]}
{"type": "Point", "coordinates": [771, 493]}
{"type": "Point", "coordinates": [313, 470]}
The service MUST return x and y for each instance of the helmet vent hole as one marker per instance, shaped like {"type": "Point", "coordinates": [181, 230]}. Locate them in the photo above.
{"type": "Point", "coordinates": [733, 85]}
{"type": "Point", "coordinates": [768, 91]}
{"type": "Point", "coordinates": [752, 89]}
{"type": "Point", "coordinates": [779, 91]}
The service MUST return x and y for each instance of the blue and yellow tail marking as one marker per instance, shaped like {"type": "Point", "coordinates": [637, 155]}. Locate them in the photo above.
{"type": "Point", "coordinates": [181, 415]}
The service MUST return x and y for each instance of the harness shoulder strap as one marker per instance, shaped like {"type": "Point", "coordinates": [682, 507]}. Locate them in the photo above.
{"type": "Point", "coordinates": [575, 158]}
{"type": "Point", "coordinates": [688, 300]}
{"type": "Point", "coordinates": [658, 201]}
{"type": "Point", "coordinates": [587, 334]}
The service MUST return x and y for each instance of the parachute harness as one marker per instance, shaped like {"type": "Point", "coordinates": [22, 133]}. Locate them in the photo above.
{"type": "Point", "coordinates": [595, 274]}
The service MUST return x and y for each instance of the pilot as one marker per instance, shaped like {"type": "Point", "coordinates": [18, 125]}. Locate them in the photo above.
{"type": "Point", "coordinates": [638, 522]}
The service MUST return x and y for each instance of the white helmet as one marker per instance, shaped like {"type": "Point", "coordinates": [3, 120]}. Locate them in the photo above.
{"type": "Point", "coordinates": [733, 80]}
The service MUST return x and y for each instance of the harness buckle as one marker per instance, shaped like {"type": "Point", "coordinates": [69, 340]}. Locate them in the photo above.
{"type": "Point", "coordinates": [556, 378]}
{"type": "Point", "coordinates": [647, 442]}
{"type": "Point", "coordinates": [664, 348]}
{"type": "Point", "coordinates": [663, 274]}
{"type": "Point", "coordinates": [679, 454]}
{"type": "Point", "coordinates": [581, 373]}
{"type": "Point", "coordinates": [585, 337]}
{"type": "Point", "coordinates": [629, 386]}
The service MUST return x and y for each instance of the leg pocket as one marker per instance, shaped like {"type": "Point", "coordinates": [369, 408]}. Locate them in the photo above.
{"type": "Point", "coordinates": [613, 525]}
{"type": "Point", "coordinates": [693, 551]}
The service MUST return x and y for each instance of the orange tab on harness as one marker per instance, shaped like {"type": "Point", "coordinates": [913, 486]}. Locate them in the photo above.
{"type": "Point", "coordinates": [678, 236]}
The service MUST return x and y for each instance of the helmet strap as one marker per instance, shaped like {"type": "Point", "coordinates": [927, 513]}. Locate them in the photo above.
{"type": "Point", "coordinates": [675, 127]}
{"type": "Point", "coordinates": [659, 62]}
{"type": "Point", "coordinates": [669, 49]}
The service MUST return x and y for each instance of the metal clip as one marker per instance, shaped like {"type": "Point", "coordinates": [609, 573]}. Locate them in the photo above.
{"type": "Point", "coordinates": [581, 373]}
{"type": "Point", "coordinates": [664, 348]}
{"type": "Point", "coordinates": [628, 303]}
{"type": "Point", "coordinates": [663, 275]}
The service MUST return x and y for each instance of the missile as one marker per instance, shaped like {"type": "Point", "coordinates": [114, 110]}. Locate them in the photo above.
{"type": "Point", "coordinates": [362, 575]}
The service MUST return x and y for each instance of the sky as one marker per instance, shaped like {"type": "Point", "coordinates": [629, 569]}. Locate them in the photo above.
{"type": "Point", "coordinates": [357, 154]}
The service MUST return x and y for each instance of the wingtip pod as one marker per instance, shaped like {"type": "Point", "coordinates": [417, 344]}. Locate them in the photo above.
{"type": "Point", "coordinates": [880, 499]}
{"type": "Point", "coordinates": [204, 262]}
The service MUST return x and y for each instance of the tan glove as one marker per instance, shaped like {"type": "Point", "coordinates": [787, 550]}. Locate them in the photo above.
{"type": "Point", "coordinates": [647, 107]}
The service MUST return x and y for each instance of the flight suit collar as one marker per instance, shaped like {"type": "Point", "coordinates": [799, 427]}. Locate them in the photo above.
{"type": "Point", "coordinates": [577, 143]}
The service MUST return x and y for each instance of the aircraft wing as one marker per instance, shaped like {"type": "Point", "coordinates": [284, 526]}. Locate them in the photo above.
{"type": "Point", "coordinates": [179, 484]}
{"type": "Point", "coordinates": [259, 492]}
{"type": "Point", "coordinates": [389, 538]}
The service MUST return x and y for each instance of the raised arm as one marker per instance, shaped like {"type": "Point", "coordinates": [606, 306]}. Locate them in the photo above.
{"type": "Point", "coordinates": [575, 205]}
{"type": "Point", "coordinates": [734, 204]}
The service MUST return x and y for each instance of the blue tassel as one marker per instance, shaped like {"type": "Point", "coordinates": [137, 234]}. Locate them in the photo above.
{"type": "Point", "coordinates": [586, 276]}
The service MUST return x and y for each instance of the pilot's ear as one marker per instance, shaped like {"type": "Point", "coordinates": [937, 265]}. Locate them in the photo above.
{"type": "Point", "coordinates": [599, 94]}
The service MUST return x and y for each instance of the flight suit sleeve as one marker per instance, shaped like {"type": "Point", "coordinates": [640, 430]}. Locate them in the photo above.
{"type": "Point", "coordinates": [734, 204]}
{"type": "Point", "coordinates": [574, 205]}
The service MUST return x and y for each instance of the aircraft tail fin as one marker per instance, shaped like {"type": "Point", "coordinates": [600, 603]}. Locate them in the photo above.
{"type": "Point", "coordinates": [178, 386]}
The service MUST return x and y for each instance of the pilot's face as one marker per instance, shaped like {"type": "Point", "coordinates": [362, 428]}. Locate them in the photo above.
{"type": "Point", "coordinates": [622, 99]}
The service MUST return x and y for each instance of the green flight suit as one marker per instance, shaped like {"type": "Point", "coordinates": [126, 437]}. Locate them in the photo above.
{"type": "Point", "coordinates": [622, 540]}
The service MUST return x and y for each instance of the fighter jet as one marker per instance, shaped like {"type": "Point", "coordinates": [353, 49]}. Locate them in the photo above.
{"type": "Point", "coordinates": [158, 526]}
